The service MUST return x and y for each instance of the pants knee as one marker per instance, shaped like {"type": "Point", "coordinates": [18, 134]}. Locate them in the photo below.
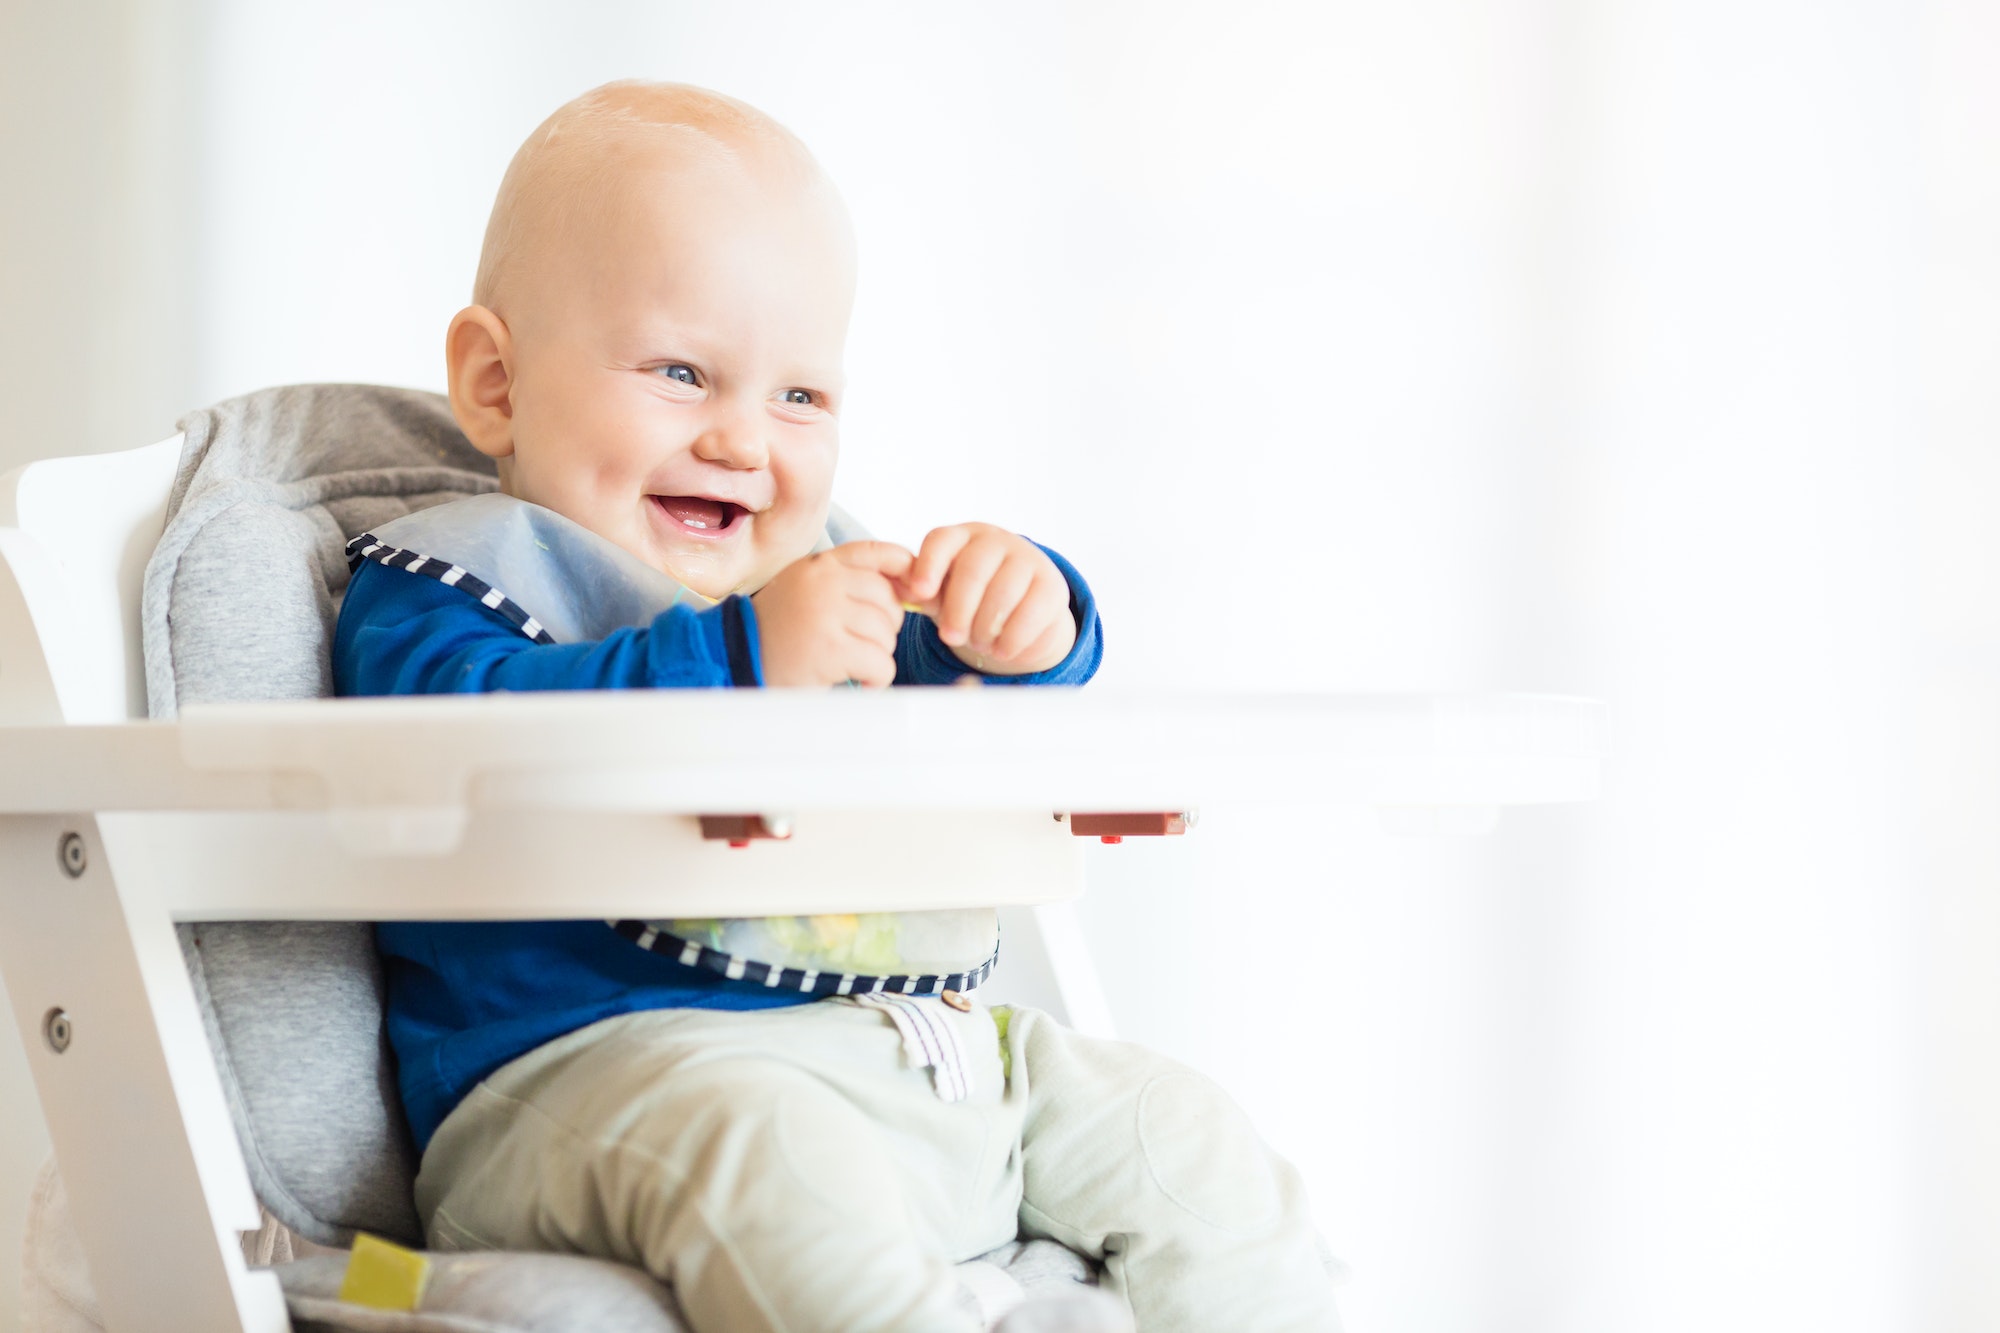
{"type": "Point", "coordinates": [752, 1133]}
{"type": "Point", "coordinates": [1204, 1155]}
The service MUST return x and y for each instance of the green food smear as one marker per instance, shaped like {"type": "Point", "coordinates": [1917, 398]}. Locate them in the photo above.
{"type": "Point", "coordinates": [1002, 1016]}
{"type": "Point", "coordinates": [866, 943]}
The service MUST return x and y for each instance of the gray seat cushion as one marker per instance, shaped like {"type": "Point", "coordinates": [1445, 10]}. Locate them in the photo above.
{"type": "Point", "coordinates": [239, 602]}
{"type": "Point", "coordinates": [488, 1293]}
{"type": "Point", "coordinates": [556, 1293]}
{"type": "Point", "coordinates": [241, 593]}
{"type": "Point", "coordinates": [491, 1293]}
{"type": "Point", "coordinates": [294, 1016]}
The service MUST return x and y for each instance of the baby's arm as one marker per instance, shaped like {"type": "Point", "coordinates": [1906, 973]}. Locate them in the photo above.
{"type": "Point", "coordinates": [1000, 603]}
{"type": "Point", "coordinates": [823, 620]}
{"type": "Point", "coordinates": [833, 617]}
{"type": "Point", "coordinates": [402, 633]}
{"type": "Point", "coordinates": [991, 590]}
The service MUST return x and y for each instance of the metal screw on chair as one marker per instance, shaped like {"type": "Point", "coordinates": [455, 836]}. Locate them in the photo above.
{"type": "Point", "coordinates": [57, 1030]}
{"type": "Point", "coordinates": [70, 853]}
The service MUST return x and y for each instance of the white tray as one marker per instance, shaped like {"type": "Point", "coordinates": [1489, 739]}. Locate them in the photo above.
{"type": "Point", "coordinates": [911, 749]}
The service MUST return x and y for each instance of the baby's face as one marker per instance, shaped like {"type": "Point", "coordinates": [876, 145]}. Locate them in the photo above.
{"type": "Point", "coordinates": [677, 370]}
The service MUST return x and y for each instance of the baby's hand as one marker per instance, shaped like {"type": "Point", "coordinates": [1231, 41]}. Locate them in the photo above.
{"type": "Point", "coordinates": [833, 617]}
{"type": "Point", "coordinates": [1000, 604]}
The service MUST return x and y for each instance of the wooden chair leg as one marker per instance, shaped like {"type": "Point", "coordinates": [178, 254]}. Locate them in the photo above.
{"type": "Point", "coordinates": [135, 1108]}
{"type": "Point", "coordinates": [1045, 962]}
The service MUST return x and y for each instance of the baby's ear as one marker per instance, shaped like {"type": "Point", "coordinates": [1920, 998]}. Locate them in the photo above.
{"type": "Point", "coordinates": [479, 375]}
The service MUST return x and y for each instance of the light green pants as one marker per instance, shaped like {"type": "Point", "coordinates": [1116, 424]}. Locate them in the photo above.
{"type": "Point", "coordinates": [788, 1169]}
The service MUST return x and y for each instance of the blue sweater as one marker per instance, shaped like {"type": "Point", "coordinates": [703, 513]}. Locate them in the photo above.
{"type": "Point", "coordinates": [467, 997]}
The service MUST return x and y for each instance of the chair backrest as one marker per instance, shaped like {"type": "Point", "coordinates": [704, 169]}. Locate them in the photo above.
{"type": "Point", "coordinates": [99, 554]}
{"type": "Point", "coordinates": [237, 590]}
{"type": "Point", "coordinates": [75, 535]}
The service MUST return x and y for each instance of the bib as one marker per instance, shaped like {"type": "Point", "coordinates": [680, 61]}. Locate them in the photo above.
{"type": "Point", "coordinates": [556, 581]}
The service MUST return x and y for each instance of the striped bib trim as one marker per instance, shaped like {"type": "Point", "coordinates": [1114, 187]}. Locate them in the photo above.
{"type": "Point", "coordinates": [370, 547]}
{"type": "Point", "coordinates": [804, 981]}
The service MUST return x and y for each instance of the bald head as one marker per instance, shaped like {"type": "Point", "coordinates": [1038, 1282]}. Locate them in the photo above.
{"type": "Point", "coordinates": [569, 181]}
{"type": "Point", "coordinates": [655, 345]}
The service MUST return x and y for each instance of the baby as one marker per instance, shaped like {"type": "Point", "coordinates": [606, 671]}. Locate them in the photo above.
{"type": "Point", "coordinates": [801, 1123]}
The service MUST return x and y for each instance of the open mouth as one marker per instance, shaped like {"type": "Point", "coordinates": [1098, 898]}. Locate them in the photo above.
{"type": "Point", "coordinates": [699, 515]}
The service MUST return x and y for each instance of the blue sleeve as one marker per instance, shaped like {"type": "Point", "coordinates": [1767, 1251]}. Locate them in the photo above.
{"type": "Point", "coordinates": [404, 633]}
{"type": "Point", "coordinates": [922, 658]}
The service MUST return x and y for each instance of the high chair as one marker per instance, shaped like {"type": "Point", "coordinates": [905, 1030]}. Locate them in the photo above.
{"type": "Point", "coordinates": [192, 844]}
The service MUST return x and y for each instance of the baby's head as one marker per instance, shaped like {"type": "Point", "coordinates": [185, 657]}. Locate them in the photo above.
{"type": "Point", "coordinates": [655, 345]}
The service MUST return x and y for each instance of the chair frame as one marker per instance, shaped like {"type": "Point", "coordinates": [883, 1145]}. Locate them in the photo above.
{"type": "Point", "coordinates": [113, 829]}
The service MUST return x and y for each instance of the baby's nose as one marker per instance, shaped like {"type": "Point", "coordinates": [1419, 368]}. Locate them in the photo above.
{"type": "Point", "coordinates": [734, 444]}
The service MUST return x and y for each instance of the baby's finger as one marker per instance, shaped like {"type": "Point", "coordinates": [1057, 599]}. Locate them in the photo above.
{"type": "Point", "coordinates": [965, 588]}
{"type": "Point", "coordinates": [926, 574]}
{"type": "Point", "coordinates": [1042, 614]}
{"type": "Point", "coordinates": [1010, 583]}
{"type": "Point", "coordinates": [878, 618]}
{"type": "Point", "coordinates": [884, 558]}
{"type": "Point", "coordinates": [1052, 645]}
{"type": "Point", "coordinates": [876, 589]}
{"type": "Point", "coordinates": [868, 663]}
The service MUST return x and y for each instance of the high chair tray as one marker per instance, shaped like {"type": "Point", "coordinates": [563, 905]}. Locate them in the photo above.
{"type": "Point", "coordinates": [910, 750]}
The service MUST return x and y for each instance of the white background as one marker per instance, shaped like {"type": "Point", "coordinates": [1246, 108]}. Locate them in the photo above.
{"type": "Point", "coordinates": [1643, 349]}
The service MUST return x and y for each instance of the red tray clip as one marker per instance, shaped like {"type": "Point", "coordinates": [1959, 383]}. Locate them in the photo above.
{"type": "Point", "coordinates": [1136, 824]}
{"type": "Point", "coordinates": [740, 830]}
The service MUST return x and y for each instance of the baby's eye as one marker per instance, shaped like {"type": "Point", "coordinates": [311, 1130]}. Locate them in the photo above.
{"type": "Point", "coordinates": [677, 371]}
{"type": "Point", "coordinates": [797, 397]}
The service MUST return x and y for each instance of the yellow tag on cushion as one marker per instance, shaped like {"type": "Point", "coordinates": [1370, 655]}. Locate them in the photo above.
{"type": "Point", "coordinates": [382, 1276]}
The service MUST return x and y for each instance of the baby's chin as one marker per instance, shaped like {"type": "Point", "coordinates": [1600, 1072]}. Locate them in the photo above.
{"type": "Point", "coordinates": [710, 576]}
{"type": "Point", "coordinates": [701, 577]}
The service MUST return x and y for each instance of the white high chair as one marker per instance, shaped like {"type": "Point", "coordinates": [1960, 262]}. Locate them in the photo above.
{"type": "Point", "coordinates": [114, 828]}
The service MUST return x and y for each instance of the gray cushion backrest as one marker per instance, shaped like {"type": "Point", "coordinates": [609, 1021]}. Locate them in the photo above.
{"type": "Point", "coordinates": [294, 1016]}
{"type": "Point", "coordinates": [239, 603]}
{"type": "Point", "coordinates": [240, 595]}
